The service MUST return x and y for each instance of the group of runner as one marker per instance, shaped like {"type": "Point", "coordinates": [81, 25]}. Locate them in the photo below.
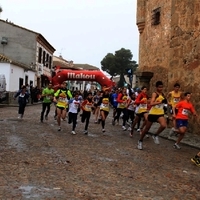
{"type": "Point", "coordinates": [132, 107]}
{"type": "Point", "coordinates": [72, 104]}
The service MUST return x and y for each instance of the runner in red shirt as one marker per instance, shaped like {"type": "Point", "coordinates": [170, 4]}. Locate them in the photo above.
{"type": "Point", "coordinates": [184, 108]}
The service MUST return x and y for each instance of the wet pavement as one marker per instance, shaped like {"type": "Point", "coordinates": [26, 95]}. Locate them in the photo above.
{"type": "Point", "coordinates": [38, 162]}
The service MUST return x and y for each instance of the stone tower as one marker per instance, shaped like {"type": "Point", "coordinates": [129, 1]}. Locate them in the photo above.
{"type": "Point", "coordinates": [170, 45]}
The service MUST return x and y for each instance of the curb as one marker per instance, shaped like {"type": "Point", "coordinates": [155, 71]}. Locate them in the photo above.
{"type": "Point", "coordinates": [184, 141]}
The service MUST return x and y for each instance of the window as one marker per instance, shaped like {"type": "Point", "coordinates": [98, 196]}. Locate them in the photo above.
{"type": "Point", "coordinates": [156, 16]}
{"type": "Point", "coordinates": [50, 60]}
{"type": "Point", "coordinates": [43, 57]}
{"type": "Point", "coordinates": [40, 55]}
{"type": "Point", "coordinates": [47, 60]}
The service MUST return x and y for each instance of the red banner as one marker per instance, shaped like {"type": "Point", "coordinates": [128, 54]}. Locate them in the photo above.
{"type": "Point", "coordinates": [83, 75]}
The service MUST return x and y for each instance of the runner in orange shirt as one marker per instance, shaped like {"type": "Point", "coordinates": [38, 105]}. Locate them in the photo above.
{"type": "Point", "coordinates": [184, 107]}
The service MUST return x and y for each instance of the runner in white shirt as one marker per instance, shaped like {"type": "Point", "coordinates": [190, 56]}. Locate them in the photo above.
{"type": "Point", "coordinates": [74, 105]}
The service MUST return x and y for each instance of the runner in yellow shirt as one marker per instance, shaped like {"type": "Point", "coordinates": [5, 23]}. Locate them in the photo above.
{"type": "Point", "coordinates": [60, 97]}
{"type": "Point", "coordinates": [173, 98]}
{"type": "Point", "coordinates": [156, 114]}
{"type": "Point", "coordinates": [104, 103]}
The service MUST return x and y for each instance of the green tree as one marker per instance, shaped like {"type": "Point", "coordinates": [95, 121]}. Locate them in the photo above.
{"type": "Point", "coordinates": [118, 63]}
{"type": "Point", "coordinates": [108, 64]}
{"type": "Point", "coordinates": [1, 9]}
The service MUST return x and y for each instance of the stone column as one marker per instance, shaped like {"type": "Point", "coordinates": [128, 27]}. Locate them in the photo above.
{"type": "Point", "coordinates": [141, 11]}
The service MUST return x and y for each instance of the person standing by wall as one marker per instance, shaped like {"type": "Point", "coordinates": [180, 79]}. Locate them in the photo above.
{"type": "Point", "coordinates": [47, 95]}
{"type": "Point", "coordinates": [23, 96]}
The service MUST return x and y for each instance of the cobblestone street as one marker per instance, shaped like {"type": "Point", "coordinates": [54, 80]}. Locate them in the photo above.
{"type": "Point", "coordinates": [38, 162]}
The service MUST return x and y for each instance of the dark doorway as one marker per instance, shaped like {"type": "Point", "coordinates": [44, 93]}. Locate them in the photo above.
{"type": "Point", "coordinates": [21, 82]}
{"type": "Point", "coordinates": [31, 83]}
{"type": "Point", "coordinates": [26, 80]}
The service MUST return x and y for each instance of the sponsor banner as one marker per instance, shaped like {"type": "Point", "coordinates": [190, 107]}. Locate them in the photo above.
{"type": "Point", "coordinates": [71, 75]}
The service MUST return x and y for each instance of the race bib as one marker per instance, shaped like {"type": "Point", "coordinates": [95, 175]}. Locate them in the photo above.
{"type": "Point", "coordinates": [88, 107]}
{"type": "Point", "coordinates": [76, 105]}
{"type": "Point", "coordinates": [159, 106]}
{"type": "Point", "coordinates": [103, 105]}
{"type": "Point", "coordinates": [22, 95]}
{"type": "Point", "coordinates": [61, 99]}
{"type": "Point", "coordinates": [143, 106]}
{"type": "Point", "coordinates": [185, 112]}
{"type": "Point", "coordinates": [176, 100]}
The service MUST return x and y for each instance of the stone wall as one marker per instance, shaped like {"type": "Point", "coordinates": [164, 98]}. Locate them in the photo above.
{"type": "Point", "coordinates": [185, 50]}
{"type": "Point", "coordinates": [171, 49]}
{"type": "Point", "coordinates": [9, 100]}
{"type": "Point", "coordinates": [21, 45]}
{"type": "Point", "coordinates": [154, 39]}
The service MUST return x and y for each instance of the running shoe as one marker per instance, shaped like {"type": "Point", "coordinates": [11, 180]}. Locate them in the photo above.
{"type": "Point", "coordinates": [196, 161]}
{"type": "Point", "coordinates": [171, 132]}
{"type": "Point", "coordinates": [128, 123]}
{"type": "Point", "coordinates": [147, 135]}
{"type": "Point", "coordinates": [113, 122]}
{"type": "Point", "coordinates": [85, 132]}
{"type": "Point", "coordinates": [129, 128]}
{"type": "Point", "coordinates": [103, 130]}
{"type": "Point", "coordinates": [59, 129]}
{"type": "Point", "coordinates": [124, 128]}
{"type": "Point", "coordinates": [73, 133]}
{"type": "Point", "coordinates": [156, 139]}
{"type": "Point", "coordinates": [20, 116]}
{"type": "Point", "coordinates": [138, 130]}
{"type": "Point", "coordinates": [139, 146]}
{"type": "Point", "coordinates": [176, 146]}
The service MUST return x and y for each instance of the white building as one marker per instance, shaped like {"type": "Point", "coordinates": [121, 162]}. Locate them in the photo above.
{"type": "Point", "coordinates": [16, 74]}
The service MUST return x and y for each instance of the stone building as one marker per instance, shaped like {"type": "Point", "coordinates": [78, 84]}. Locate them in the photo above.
{"type": "Point", "coordinates": [29, 48]}
{"type": "Point", "coordinates": [169, 48]}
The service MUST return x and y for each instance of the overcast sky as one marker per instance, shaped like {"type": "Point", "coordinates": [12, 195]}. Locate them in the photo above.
{"type": "Point", "coordinates": [81, 30]}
